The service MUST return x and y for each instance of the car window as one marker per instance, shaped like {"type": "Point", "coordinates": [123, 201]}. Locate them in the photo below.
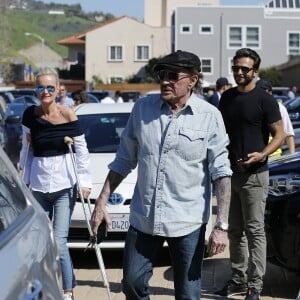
{"type": "Point", "coordinates": [103, 131]}
{"type": "Point", "coordinates": [12, 200]}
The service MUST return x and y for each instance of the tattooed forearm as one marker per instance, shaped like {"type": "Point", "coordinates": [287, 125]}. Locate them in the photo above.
{"type": "Point", "coordinates": [112, 181]}
{"type": "Point", "coordinates": [223, 194]}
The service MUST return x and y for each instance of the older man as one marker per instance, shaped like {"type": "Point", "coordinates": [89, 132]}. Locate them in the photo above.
{"type": "Point", "coordinates": [179, 144]}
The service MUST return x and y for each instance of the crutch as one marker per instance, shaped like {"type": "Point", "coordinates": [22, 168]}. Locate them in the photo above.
{"type": "Point", "coordinates": [93, 239]}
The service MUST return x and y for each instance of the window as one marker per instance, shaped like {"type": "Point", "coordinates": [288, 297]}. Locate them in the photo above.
{"type": "Point", "coordinates": [12, 199]}
{"type": "Point", "coordinates": [115, 79]}
{"type": "Point", "coordinates": [115, 53]}
{"type": "Point", "coordinates": [205, 29]}
{"type": "Point", "coordinates": [186, 29]}
{"type": "Point", "coordinates": [206, 65]}
{"type": "Point", "coordinates": [293, 43]}
{"type": "Point", "coordinates": [244, 36]}
{"type": "Point", "coordinates": [142, 53]}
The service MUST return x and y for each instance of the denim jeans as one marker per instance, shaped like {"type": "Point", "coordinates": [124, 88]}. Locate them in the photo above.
{"type": "Point", "coordinates": [140, 254]}
{"type": "Point", "coordinates": [59, 207]}
{"type": "Point", "coordinates": [246, 228]}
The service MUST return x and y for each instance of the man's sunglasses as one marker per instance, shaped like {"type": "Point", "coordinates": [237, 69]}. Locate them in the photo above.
{"type": "Point", "coordinates": [244, 70]}
{"type": "Point", "coordinates": [40, 89]}
{"type": "Point", "coordinates": [169, 76]}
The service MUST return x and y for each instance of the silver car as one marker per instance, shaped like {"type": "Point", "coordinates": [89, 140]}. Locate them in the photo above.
{"type": "Point", "coordinates": [28, 256]}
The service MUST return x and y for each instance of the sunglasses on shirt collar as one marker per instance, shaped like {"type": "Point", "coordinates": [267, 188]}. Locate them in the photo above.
{"type": "Point", "coordinates": [40, 89]}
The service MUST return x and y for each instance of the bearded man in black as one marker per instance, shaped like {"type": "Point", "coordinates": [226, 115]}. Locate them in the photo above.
{"type": "Point", "coordinates": [250, 116]}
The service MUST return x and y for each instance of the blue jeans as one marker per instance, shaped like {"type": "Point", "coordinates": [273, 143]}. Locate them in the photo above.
{"type": "Point", "coordinates": [59, 207]}
{"type": "Point", "coordinates": [186, 254]}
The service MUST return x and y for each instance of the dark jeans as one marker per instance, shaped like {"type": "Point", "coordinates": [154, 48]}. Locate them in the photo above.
{"type": "Point", "coordinates": [186, 254]}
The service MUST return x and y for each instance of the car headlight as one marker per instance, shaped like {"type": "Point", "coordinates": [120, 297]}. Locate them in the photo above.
{"type": "Point", "coordinates": [284, 184]}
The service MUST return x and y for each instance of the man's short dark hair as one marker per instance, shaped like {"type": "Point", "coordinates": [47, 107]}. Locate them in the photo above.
{"type": "Point", "coordinates": [247, 52]}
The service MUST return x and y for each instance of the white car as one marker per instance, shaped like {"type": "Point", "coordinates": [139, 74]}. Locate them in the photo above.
{"type": "Point", "coordinates": [102, 125]}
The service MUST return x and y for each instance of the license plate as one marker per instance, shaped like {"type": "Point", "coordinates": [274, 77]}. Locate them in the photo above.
{"type": "Point", "coordinates": [119, 222]}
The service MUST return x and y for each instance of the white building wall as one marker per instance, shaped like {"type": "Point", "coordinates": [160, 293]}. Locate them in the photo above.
{"type": "Point", "coordinates": [128, 33]}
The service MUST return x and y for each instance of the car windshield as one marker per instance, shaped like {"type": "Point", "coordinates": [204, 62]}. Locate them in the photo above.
{"type": "Point", "coordinates": [103, 131]}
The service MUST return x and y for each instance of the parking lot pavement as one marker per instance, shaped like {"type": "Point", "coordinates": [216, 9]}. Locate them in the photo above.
{"type": "Point", "coordinates": [278, 284]}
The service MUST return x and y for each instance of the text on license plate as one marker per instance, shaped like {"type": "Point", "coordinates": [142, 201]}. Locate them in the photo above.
{"type": "Point", "coordinates": [119, 222]}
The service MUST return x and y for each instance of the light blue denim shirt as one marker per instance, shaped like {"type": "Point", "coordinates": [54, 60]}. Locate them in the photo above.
{"type": "Point", "coordinates": [177, 156]}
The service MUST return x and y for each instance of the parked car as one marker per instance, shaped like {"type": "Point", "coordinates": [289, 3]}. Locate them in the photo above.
{"type": "Point", "coordinates": [280, 90]}
{"type": "Point", "coordinates": [29, 99]}
{"type": "Point", "coordinates": [92, 98]}
{"type": "Point", "coordinates": [5, 98]}
{"type": "Point", "coordinates": [21, 92]}
{"type": "Point", "coordinates": [100, 94]}
{"type": "Point", "coordinates": [282, 217]}
{"type": "Point", "coordinates": [29, 261]}
{"type": "Point", "coordinates": [13, 128]}
{"type": "Point", "coordinates": [3, 137]}
{"type": "Point", "coordinates": [102, 125]}
{"type": "Point", "coordinates": [130, 96]}
{"type": "Point", "coordinates": [293, 108]}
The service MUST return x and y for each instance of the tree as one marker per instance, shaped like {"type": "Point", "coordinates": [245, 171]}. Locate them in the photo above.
{"type": "Point", "coordinates": [150, 76]}
{"type": "Point", "coordinates": [5, 70]}
{"type": "Point", "coordinates": [271, 74]}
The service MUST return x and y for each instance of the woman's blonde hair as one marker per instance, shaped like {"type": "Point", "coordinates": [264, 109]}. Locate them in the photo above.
{"type": "Point", "coordinates": [47, 71]}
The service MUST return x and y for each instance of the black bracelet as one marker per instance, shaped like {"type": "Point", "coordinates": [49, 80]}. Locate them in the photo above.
{"type": "Point", "coordinates": [221, 229]}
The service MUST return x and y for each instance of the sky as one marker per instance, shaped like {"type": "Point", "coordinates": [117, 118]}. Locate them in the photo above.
{"type": "Point", "coordinates": [132, 8]}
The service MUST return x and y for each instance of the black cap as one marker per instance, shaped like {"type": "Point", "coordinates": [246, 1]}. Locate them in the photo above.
{"type": "Point", "coordinates": [264, 84]}
{"type": "Point", "coordinates": [222, 81]}
{"type": "Point", "coordinates": [179, 60]}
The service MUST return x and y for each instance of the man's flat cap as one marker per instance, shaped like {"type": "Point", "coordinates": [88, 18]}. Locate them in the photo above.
{"type": "Point", "coordinates": [179, 60]}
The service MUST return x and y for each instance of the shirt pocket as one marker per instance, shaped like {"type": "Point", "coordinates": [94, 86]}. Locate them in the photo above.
{"type": "Point", "coordinates": [191, 143]}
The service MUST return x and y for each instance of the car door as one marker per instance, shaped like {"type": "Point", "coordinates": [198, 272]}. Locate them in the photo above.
{"type": "Point", "coordinates": [28, 255]}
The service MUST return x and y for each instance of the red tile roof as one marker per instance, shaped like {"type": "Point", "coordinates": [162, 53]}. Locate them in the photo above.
{"type": "Point", "coordinates": [79, 37]}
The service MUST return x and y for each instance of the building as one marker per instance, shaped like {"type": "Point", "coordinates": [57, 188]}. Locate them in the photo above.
{"type": "Point", "coordinates": [116, 50]}
{"type": "Point", "coordinates": [214, 33]}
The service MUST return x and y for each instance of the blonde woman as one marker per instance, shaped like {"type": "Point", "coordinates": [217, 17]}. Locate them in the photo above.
{"type": "Point", "coordinates": [49, 170]}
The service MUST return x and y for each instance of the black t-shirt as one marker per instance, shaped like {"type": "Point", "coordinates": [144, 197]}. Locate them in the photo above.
{"type": "Point", "coordinates": [246, 117]}
{"type": "Point", "coordinates": [48, 139]}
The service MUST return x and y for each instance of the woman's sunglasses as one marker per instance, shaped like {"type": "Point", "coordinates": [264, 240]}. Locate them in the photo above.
{"type": "Point", "coordinates": [40, 89]}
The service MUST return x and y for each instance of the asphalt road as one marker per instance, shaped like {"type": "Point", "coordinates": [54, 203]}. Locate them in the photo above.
{"type": "Point", "coordinates": [279, 283]}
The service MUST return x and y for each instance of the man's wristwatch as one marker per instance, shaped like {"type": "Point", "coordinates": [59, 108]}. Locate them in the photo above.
{"type": "Point", "coordinates": [264, 156]}
{"type": "Point", "coordinates": [221, 226]}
